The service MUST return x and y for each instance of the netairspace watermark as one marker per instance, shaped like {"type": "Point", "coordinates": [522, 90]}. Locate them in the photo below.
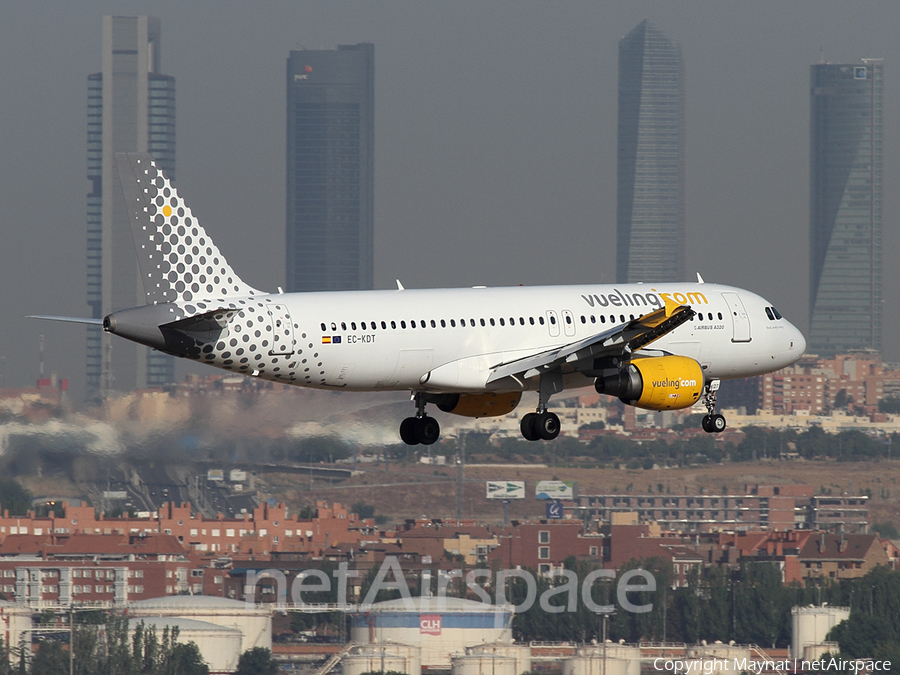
{"type": "Point", "coordinates": [745, 664]}
{"type": "Point", "coordinates": [316, 580]}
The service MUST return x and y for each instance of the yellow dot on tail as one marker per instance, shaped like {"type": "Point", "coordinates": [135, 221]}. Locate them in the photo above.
{"type": "Point", "coordinates": [167, 210]}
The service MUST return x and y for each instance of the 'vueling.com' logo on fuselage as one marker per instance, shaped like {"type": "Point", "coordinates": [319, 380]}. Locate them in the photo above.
{"type": "Point", "coordinates": [674, 384]}
{"type": "Point", "coordinates": [655, 299]}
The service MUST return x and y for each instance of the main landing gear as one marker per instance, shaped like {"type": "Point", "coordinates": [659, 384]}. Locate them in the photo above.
{"type": "Point", "coordinates": [421, 428]}
{"type": "Point", "coordinates": [543, 424]}
{"type": "Point", "coordinates": [712, 422]}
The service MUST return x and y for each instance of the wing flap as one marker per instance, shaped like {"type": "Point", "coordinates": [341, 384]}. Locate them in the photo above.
{"type": "Point", "coordinates": [634, 335]}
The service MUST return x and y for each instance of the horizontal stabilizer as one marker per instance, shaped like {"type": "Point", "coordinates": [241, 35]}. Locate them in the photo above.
{"type": "Point", "coordinates": [69, 319]}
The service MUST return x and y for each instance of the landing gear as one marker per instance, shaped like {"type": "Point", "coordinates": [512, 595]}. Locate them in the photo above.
{"type": "Point", "coordinates": [540, 426]}
{"type": "Point", "coordinates": [421, 428]}
{"type": "Point", "coordinates": [712, 422]}
{"type": "Point", "coordinates": [543, 424]}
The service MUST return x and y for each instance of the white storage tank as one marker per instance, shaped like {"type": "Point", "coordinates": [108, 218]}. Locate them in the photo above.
{"type": "Point", "coordinates": [620, 660]}
{"type": "Point", "coordinates": [15, 623]}
{"type": "Point", "coordinates": [492, 656]}
{"type": "Point", "coordinates": [718, 657]}
{"type": "Point", "coordinates": [440, 626]}
{"type": "Point", "coordinates": [253, 621]}
{"type": "Point", "coordinates": [383, 656]}
{"type": "Point", "coordinates": [810, 626]}
{"type": "Point", "coordinates": [219, 646]}
{"type": "Point", "coordinates": [483, 664]}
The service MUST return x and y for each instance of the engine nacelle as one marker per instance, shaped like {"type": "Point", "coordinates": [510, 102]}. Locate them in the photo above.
{"type": "Point", "coordinates": [477, 405]}
{"type": "Point", "coordinates": [656, 383]}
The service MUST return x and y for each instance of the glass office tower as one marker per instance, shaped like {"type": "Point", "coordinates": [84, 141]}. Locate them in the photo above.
{"type": "Point", "coordinates": [131, 107]}
{"type": "Point", "coordinates": [845, 207]}
{"type": "Point", "coordinates": [330, 168]}
{"type": "Point", "coordinates": [650, 200]}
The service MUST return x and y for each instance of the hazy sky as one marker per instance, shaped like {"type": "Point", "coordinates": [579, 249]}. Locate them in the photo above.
{"type": "Point", "coordinates": [495, 141]}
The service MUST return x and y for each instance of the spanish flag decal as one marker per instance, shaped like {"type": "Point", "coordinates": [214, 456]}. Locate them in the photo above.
{"type": "Point", "coordinates": [326, 339]}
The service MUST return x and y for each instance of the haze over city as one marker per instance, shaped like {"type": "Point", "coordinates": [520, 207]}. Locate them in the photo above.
{"type": "Point", "coordinates": [495, 142]}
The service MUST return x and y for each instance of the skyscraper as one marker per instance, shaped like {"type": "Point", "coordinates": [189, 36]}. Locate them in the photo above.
{"type": "Point", "coordinates": [650, 200]}
{"type": "Point", "coordinates": [330, 168]}
{"type": "Point", "coordinates": [131, 106]}
{"type": "Point", "coordinates": [845, 207]}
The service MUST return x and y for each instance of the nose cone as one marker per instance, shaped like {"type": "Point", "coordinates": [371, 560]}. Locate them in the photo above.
{"type": "Point", "coordinates": [795, 343]}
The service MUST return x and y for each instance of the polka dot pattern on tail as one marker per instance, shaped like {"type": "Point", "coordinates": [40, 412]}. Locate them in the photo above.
{"type": "Point", "coordinates": [179, 262]}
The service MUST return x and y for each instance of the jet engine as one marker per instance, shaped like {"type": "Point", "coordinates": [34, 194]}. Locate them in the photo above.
{"type": "Point", "coordinates": [477, 405]}
{"type": "Point", "coordinates": [655, 383]}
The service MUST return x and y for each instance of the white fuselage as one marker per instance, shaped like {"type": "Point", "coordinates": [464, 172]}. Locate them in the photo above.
{"type": "Point", "coordinates": [447, 340]}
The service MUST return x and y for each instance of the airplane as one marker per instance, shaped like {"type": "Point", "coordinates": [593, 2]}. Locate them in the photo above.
{"type": "Point", "coordinates": [468, 351]}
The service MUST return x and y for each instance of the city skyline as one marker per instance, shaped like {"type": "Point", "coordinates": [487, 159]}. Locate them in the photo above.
{"type": "Point", "coordinates": [650, 215]}
{"type": "Point", "coordinates": [495, 159]}
{"type": "Point", "coordinates": [330, 169]}
{"type": "Point", "coordinates": [846, 127]}
{"type": "Point", "coordinates": [131, 106]}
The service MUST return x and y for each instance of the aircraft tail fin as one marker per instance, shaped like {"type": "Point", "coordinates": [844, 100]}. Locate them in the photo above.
{"type": "Point", "coordinates": [178, 260]}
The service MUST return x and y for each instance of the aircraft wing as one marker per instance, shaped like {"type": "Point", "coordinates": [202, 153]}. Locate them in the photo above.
{"type": "Point", "coordinates": [634, 335]}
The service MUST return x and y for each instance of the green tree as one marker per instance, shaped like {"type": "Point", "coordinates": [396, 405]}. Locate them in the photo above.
{"type": "Point", "coordinates": [257, 661]}
{"type": "Point", "coordinates": [14, 497]}
{"type": "Point", "coordinates": [50, 659]}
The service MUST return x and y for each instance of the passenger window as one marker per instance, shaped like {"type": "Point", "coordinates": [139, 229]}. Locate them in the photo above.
{"type": "Point", "coordinates": [583, 319]}
{"type": "Point", "coordinates": [541, 320]}
{"type": "Point", "coordinates": [602, 319]}
{"type": "Point", "coordinates": [452, 323]}
{"type": "Point", "coordinates": [434, 325]}
{"type": "Point", "coordinates": [363, 325]}
{"type": "Point", "coordinates": [353, 325]}
{"type": "Point", "coordinates": [383, 326]}
{"type": "Point", "coordinates": [720, 316]}
{"type": "Point", "coordinates": [402, 324]}
{"type": "Point", "coordinates": [393, 324]}
{"type": "Point", "coordinates": [502, 322]}
{"type": "Point", "coordinates": [700, 316]}
{"type": "Point", "coordinates": [531, 320]}
{"type": "Point", "coordinates": [568, 319]}
{"type": "Point", "coordinates": [521, 320]}
{"type": "Point", "coordinates": [492, 322]}
{"type": "Point", "coordinates": [343, 325]}
{"type": "Point", "coordinates": [324, 328]}
{"type": "Point", "coordinates": [482, 322]}
{"type": "Point", "coordinates": [552, 320]}
{"type": "Point", "coordinates": [622, 318]}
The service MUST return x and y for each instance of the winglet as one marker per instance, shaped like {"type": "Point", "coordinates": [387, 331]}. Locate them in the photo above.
{"type": "Point", "coordinates": [399, 285]}
{"type": "Point", "coordinates": [700, 279]}
{"type": "Point", "coordinates": [671, 305]}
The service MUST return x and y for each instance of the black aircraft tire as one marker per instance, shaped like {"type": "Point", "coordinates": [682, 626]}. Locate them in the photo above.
{"type": "Point", "coordinates": [427, 430]}
{"type": "Point", "coordinates": [547, 425]}
{"type": "Point", "coordinates": [408, 431]}
{"type": "Point", "coordinates": [526, 426]}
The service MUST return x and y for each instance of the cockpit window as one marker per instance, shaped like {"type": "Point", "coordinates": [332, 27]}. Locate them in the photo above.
{"type": "Point", "coordinates": [775, 312]}
{"type": "Point", "coordinates": [769, 314]}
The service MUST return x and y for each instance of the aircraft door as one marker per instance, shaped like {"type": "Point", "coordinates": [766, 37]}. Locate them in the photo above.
{"type": "Point", "coordinates": [282, 330]}
{"type": "Point", "coordinates": [552, 323]}
{"type": "Point", "coordinates": [568, 321]}
{"type": "Point", "coordinates": [739, 319]}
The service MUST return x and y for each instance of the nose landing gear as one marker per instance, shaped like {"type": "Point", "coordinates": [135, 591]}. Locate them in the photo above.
{"type": "Point", "coordinates": [712, 423]}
